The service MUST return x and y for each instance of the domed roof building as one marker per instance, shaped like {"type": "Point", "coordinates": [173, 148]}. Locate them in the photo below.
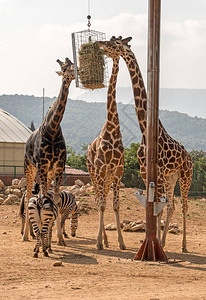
{"type": "Point", "coordinates": [13, 136]}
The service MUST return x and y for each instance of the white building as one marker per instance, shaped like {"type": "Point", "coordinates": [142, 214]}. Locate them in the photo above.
{"type": "Point", "coordinates": [13, 136]}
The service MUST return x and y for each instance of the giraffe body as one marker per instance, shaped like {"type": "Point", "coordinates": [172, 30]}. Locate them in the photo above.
{"type": "Point", "coordinates": [105, 161]}
{"type": "Point", "coordinates": [45, 154]}
{"type": "Point", "coordinates": [173, 160]}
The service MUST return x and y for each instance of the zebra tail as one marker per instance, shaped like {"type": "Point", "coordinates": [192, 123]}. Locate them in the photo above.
{"type": "Point", "coordinates": [21, 211]}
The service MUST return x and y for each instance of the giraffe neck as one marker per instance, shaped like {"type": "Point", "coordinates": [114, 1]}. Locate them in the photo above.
{"type": "Point", "coordinates": [52, 120]}
{"type": "Point", "coordinates": [139, 91]}
{"type": "Point", "coordinates": [112, 114]}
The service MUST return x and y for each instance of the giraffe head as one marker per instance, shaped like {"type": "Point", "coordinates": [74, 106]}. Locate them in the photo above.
{"type": "Point", "coordinates": [67, 70]}
{"type": "Point", "coordinates": [115, 47]}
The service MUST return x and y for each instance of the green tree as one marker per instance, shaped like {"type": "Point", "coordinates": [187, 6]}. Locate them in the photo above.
{"type": "Point", "coordinates": [131, 176]}
{"type": "Point", "coordinates": [77, 161]}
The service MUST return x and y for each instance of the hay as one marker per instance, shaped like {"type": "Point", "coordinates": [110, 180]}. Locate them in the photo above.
{"type": "Point", "coordinates": [91, 66]}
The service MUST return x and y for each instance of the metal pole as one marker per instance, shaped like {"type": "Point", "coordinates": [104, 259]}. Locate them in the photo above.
{"type": "Point", "coordinates": [151, 249]}
{"type": "Point", "coordinates": [43, 106]}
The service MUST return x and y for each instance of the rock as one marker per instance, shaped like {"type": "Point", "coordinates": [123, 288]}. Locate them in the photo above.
{"type": "Point", "coordinates": [22, 183]}
{"type": "Point", "coordinates": [174, 230]}
{"type": "Point", "coordinates": [15, 182]}
{"type": "Point", "coordinates": [82, 191]}
{"type": "Point", "coordinates": [7, 191]}
{"type": "Point", "coordinates": [126, 221]}
{"type": "Point", "coordinates": [10, 199]}
{"type": "Point", "coordinates": [111, 226]}
{"type": "Point", "coordinates": [138, 227]}
{"type": "Point", "coordinates": [174, 225]}
{"type": "Point", "coordinates": [122, 185]}
{"type": "Point", "coordinates": [79, 182]}
{"type": "Point", "coordinates": [90, 189]}
{"type": "Point", "coordinates": [17, 192]}
{"type": "Point", "coordinates": [74, 187]}
{"type": "Point", "coordinates": [127, 227]}
{"type": "Point", "coordinates": [1, 184]}
{"type": "Point", "coordinates": [57, 263]}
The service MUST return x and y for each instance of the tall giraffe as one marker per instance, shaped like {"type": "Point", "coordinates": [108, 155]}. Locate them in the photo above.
{"type": "Point", "coordinates": [173, 160]}
{"type": "Point", "coordinates": [45, 153]}
{"type": "Point", "coordinates": [105, 160]}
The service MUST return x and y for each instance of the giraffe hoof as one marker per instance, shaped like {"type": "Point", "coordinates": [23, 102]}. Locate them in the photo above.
{"type": "Point", "coordinates": [25, 239]}
{"type": "Point", "coordinates": [61, 243]}
{"type": "Point", "coordinates": [100, 246]}
{"type": "Point", "coordinates": [122, 247]}
{"type": "Point", "coordinates": [184, 250]}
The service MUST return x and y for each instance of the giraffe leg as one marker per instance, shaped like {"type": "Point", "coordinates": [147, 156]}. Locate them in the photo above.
{"type": "Point", "coordinates": [57, 181]}
{"type": "Point", "coordinates": [159, 217]}
{"type": "Point", "coordinates": [185, 181]}
{"type": "Point", "coordinates": [105, 237]}
{"type": "Point", "coordinates": [169, 184]}
{"type": "Point", "coordinates": [116, 187]}
{"type": "Point", "coordinates": [101, 224]}
{"type": "Point", "coordinates": [30, 172]}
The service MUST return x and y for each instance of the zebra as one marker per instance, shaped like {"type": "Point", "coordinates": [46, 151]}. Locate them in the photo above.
{"type": "Point", "coordinates": [42, 214]}
{"type": "Point", "coordinates": [67, 206]}
{"type": "Point", "coordinates": [35, 191]}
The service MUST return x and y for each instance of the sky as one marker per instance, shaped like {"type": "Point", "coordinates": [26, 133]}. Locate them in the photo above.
{"type": "Point", "coordinates": [35, 33]}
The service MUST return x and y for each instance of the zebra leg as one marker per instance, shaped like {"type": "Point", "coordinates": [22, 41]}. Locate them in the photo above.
{"type": "Point", "coordinates": [38, 242]}
{"type": "Point", "coordinates": [74, 222]}
{"type": "Point", "coordinates": [65, 215]}
{"type": "Point", "coordinates": [31, 230]}
{"type": "Point", "coordinates": [44, 242]}
{"type": "Point", "coordinates": [50, 237]}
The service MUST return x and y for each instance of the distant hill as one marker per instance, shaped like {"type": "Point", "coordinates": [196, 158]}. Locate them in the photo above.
{"type": "Point", "coordinates": [189, 101]}
{"type": "Point", "coordinates": [83, 121]}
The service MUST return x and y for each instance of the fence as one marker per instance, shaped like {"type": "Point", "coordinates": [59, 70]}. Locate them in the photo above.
{"type": "Point", "coordinates": [131, 178]}
{"type": "Point", "coordinates": [8, 173]}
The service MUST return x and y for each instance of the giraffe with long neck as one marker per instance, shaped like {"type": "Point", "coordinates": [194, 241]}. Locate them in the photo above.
{"type": "Point", "coordinates": [173, 160]}
{"type": "Point", "coordinates": [105, 161]}
{"type": "Point", "coordinates": [45, 153]}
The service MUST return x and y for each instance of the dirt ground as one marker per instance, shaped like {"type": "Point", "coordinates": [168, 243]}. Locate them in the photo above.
{"type": "Point", "coordinates": [88, 273]}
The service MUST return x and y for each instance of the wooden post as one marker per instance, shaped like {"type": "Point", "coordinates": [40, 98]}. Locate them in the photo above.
{"type": "Point", "coordinates": [151, 249]}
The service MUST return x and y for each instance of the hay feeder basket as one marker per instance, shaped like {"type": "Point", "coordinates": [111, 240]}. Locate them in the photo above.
{"type": "Point", "coordinates": [90, 64]}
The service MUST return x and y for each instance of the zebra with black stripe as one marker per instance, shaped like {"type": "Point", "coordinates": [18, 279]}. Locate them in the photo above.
{"type": "Point", "coordinates": [67, 208]}
{"type": "Point", "coordinates": [42, 214]}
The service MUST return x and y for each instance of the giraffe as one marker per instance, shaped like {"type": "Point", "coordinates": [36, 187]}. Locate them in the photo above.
{"type": "Point", "coordinates": [105, 161]}
{"type": "Point", "coordinates": [45, 152]}
{"type": "Point", "coordinates": [173, 160]}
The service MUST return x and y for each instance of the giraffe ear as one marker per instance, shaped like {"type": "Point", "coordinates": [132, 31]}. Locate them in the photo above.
{"type": "Point", "coordinates": [60, 73]}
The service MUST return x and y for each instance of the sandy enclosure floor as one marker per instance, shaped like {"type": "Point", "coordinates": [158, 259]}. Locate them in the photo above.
{"type": "Point", "coordinates": [87, 273]}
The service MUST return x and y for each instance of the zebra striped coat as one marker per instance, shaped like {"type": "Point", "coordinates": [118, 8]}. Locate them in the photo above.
{"type": "Point", "coordinates": [42, 214]}
{"type": "Point", "coordinates": [67, 207]}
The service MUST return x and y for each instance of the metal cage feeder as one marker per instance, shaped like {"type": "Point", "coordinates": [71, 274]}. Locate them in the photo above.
{"type": "Point", "coordinates": [90, 65]}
